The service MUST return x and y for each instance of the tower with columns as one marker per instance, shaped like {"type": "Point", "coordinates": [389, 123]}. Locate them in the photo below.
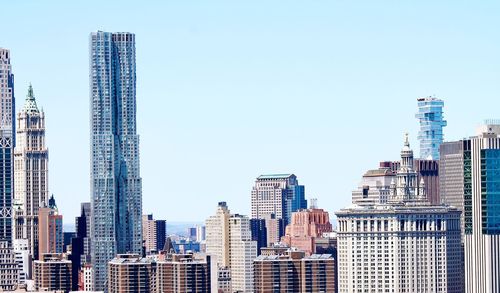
{"type": "Point", "coordinates": [31, 158]}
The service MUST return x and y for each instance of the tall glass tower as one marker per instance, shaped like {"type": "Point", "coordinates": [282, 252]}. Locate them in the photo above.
{"type": "Point", "coordinates": [115, 180]}
{"type": "Point", "coordinates": [430, 116]}
{"type": "Point", "coordinates": [7, 143]}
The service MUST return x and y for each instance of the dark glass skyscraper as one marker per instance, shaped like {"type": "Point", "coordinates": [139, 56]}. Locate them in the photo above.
{"type": "Point", "coordinates": [7, 143]}
{"type": "Point", "coordinates": [115, 178]}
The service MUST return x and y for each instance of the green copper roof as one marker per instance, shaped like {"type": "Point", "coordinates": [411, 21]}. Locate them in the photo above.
{"type": "Point", "coordinates": [274, 176]}
{"type": "Point", "coordinates": [30, 103]}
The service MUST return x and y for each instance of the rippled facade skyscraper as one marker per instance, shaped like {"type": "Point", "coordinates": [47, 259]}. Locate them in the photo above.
{"type": "Point", "coordinates": [116, 192]}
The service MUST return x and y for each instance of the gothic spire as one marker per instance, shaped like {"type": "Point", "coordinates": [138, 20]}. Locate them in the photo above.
{"type": "Point", "coordinates": [30, 103]}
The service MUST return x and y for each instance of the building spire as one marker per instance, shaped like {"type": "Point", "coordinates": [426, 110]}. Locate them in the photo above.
{"type": "Point", "coordinates": [30, 95]}
{"type": "Point", "coordinates": [30, 104]}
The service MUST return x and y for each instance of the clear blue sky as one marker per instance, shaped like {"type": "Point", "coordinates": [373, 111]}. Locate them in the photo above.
{"type": "Point", "coordinates": [228, 90]}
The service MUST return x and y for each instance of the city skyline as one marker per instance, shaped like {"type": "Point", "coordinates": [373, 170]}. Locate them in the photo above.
{"type": "Point", "coordinates": [218, 134]}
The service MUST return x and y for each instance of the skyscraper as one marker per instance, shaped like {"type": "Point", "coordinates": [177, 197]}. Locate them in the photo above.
{"type": "Point", "coordinates": [7, 143]}
{"type": "Point", "coordinates": [50, 232]}
{"type": "Point", "coordinates": [80, 246]}
{"type": "Point", "coordinates": [480, 158]}
{"type": "Point", "coordinates": [31, 180]}
{"type": "Point", "coordinates": [305, 227]}
{"type": "Point", "coordinates": [430, 116]}
{"type": "Point", "coordinates": [278, 194]}
{"type": "Point", "coordinates": [451, 177]}
{"type": "Point", "coordinates": [229, 243]}
{"type": "Point", "coordinates": [394, 247]}
{"type": "Point", "coordinates": [154, 233]}
{"type": "Point", "coordinates": [115, 178]}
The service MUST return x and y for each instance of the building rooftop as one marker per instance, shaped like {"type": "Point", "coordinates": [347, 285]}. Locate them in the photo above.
{"type": "Point", "coordinates": [130, 259]}
{"type": "Point", "coordinates": [379, 172]}
{"type": "Point", "coordinates": [287, 257]}
{"type": "Point", "coordinates": [275, 176]}
{"type": "Point", "coordinates": [396, 208]}
{"type": "Point", "coordinates": [30, 103]}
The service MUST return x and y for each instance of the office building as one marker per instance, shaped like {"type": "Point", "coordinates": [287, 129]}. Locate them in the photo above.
{"type": "Point", "coordinates": [259, 233]}
{"type": "Point", "coordinates": [294, 272]}
{"type": "Point", "coordinates": [86, 283]}
{"type": "Point", "coordinates": [427, 172]}
{"type": "Point", "coordinates": [200, 233]}
{"type": "Point", "coordinates": [480, 158]}
{"type": "Point", "coordinates": [81, 242]}
{"type": "Point", "coordinates": [191, 233]}
{"type": "Point", "coordinates": [374, 186]}
{"type": "Point", "coordinates": [23, 259]}
{"type": "Point", "coordinates": [305, 227]}
{"type": "Point", "coordinates": [278, 194]}
{"type": "Point", "coordinates": [80, 245]}
{"type": "Point", "coordinates": [430, 117]}
{"type": "Point", "coordinates": [451, 178]}
{"type": "Point", "coordinates": [7, 143]}
{"type": "Point", "coordinates": [52, 272]}
{"type": "Point", "coordinates": [183, 246]}
{"type": "Point", "coordinates": [274, 227]}
{"type": "Point", "coordinates": [9, 268]}
{"type": "Point", "coordinates": [116, 185]}
{"type": "Point", "coordinates": [50, 232]}
{"type": "Point", "coordinates": [31, 158]}
{"type": "Point", "coordinates": [229, 243]}
{"type": "Point", "coordinates": [222, 280]}
{"type": "Point", "coordinates": [154, 233]}
{"type": "Point", "coordinates": [405, 245]}
{"type": "Point", "coordinates": [181, 273]}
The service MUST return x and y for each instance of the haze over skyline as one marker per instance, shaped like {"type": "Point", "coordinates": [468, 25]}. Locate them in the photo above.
{"type": "Point", "coordinates": [227, 91]}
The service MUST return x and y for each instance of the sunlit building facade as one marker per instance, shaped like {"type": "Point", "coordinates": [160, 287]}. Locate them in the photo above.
{"type": "Point", "coordinates": [115, 178]}
{"type": "Point", "coordinates": [430, 117]}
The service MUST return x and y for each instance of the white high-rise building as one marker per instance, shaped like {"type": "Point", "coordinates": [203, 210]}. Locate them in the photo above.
{"type": "Point", "coordinates": [23, 259]}
{"type": "Point", "coordinates": [200, 233]}
{"type": "Point", "coordinates": [229, 242]}
{"type": "Point", "coordinates": [374, 187]}
{"type": "Point", "coordinates": [31, 158]}
{"type": "Point", "coordinates": [404, 245]}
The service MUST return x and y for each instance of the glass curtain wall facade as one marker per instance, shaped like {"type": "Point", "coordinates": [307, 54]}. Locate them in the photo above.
{"type": "Point", "coordinates": [430, 116]}
{"type": "Point", "coordinates": [115, 178]}
{"type": "Point", "coordinates": [7, 143]}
